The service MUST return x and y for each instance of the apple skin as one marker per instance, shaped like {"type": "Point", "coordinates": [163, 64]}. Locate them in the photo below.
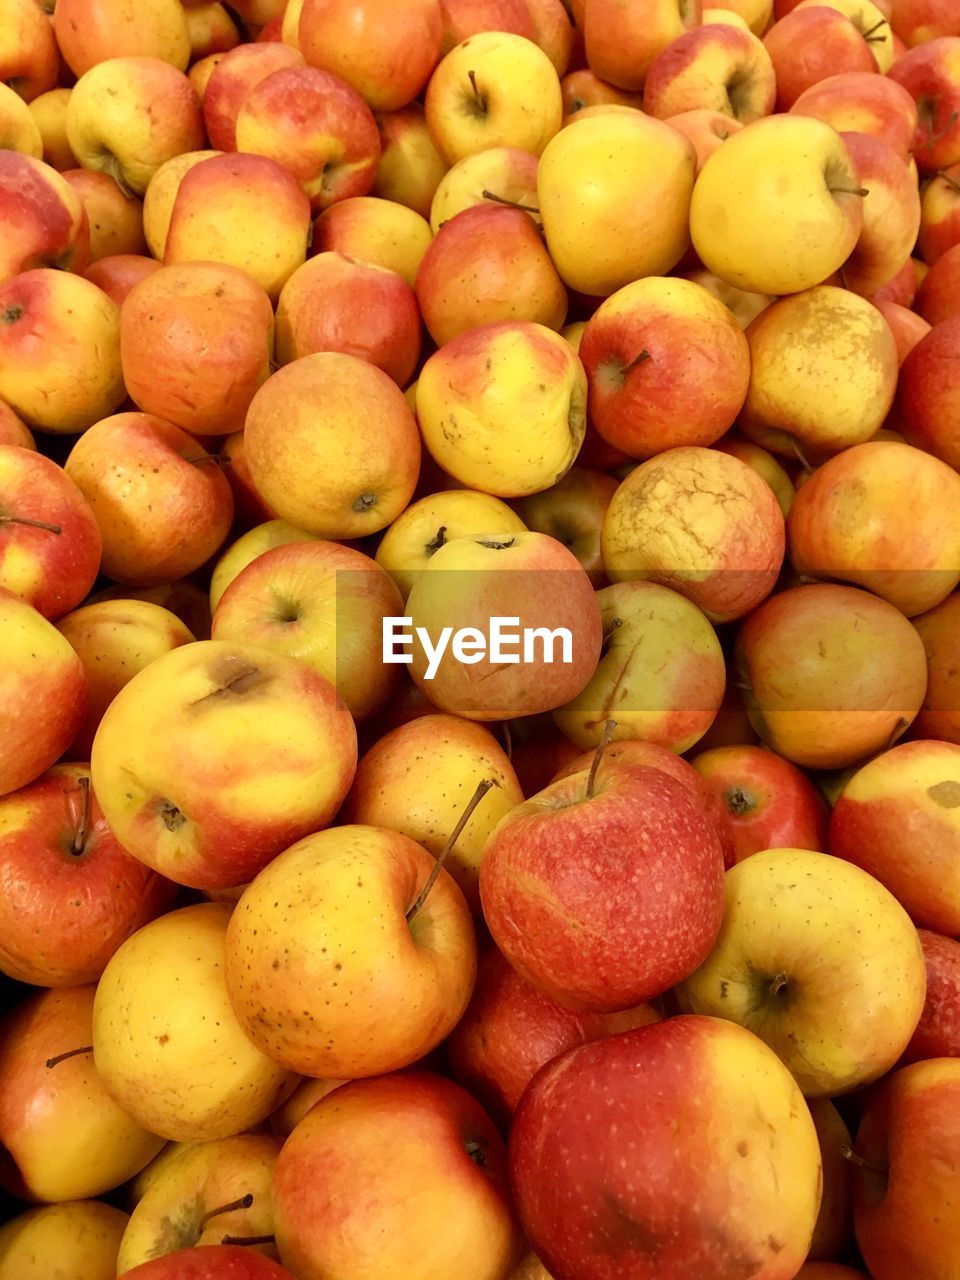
{"type": "Point", "coordinates": [384, 49]}
{"type": "Point", "coordinates": [572, 511]}
{"type": "Point", "coordinates": [65, 1137]}
{"type": "Point", "coordinates": [832, 674]}
{"type": "Point", "coordinates": [938, 297]}
{"type": "Point", "coordinates": [380, 232]}
{"type": "Point", "coordinates": [928, 394]}
{"type": "Point", "coordinates": [902, 288]}
{"type": "Point", "coordinates": [250, 507]}
{"type": "Point", "coordinates": [410, 164]}
{"type": "Point", "coordinates": [931, 75]}
{"type": "Point", "coordinates": [622, 41]}
{"type": "Point", "coordinates": [905, 325]}
{"type": "Point", "coordinates": [488, 265]}
{"type": "Point", "coordinates": [184, 599]}
{"type": "Point", "coordinates": [196, 342]}
{"type": "Point", "coordinates": [115, 218]}
{"type": "Point", "coordinates": [700, 522]}
{"type": "Point", "coordinates": [13, 431]}
{"type": "Point", "coordinates": [584, 88]}
{"type": "Point", "coordinates": [811, 44]}
{"type": "Point", "coordinates": [938, 1031]}
{"type": "Point", "coordinates": [544, 866]}
{"type": "Point", "coordinates": [891, 215]}
{"type": "Point", "coordinates": [691, 386]}
{"type": "Point", "coordinates": [896, 819]}
{"type": "Point", "coordinates": [332, 1170]}
{"type": "Point", "coordinates": [165, 1043]}
{"type": "Point", "coordinates": [510, 1030]}
{"type": "Point", "coordinates": [245, 549]}
{"type": "Point", "coordinates": [213, 33]}
{"type": "Point", "coordinates": [939, 716]}
{"type": "Point", "coordinates": [465, 18]}
{"type": "Point", "coordinates": [660, 1198]}
{"type": "Point", "coordinates": [232, 78]}
{"type": "Point", "coordinates": [333, 402]}
{"type": "Point", "coordinates": [82, 1236]}
{"type": "Point", "coordinates": [916, 21]}
{"type": "Point", "coordinates": [863, 102]}
{"type": "Point", "coordinates": [29, 56]}
{"type": "Point", "coordinates": [161, 195]}
{"type": "Point", "coordinates": [849, 1011]}
{"type": "Point", "coordinates": [507, 172]}
{"type": "Point", "coordinates": [65, 909]}
{"type": "Point", "coordinates": [701, 68]}
{"type": "Point", "coordinates": [706, 128]}
{"type": "Point", "coordinates": [940, 214]}
{"type": "Point", "coordinates": [368, 1010]}
{"type": "Point", "coordinates": [211, 1262]}
{"type": "Point", "coordinates": [42, 218]}
{"type": "Point", "coordinates": [49, 112]}
{"type": "Point", "coordinates": [244, 211]}
{"type": "Point", "coordinates": [92, 31]}
{"type": "Point", "coordinates": [43, 694]}
{"type": "Point", "coordinates": [910, 1129]}
{"type": "Point", "coordinates": [119, 273]}
{"type": "Point", "coordinates": [183, 799]}
{"type": "Point", "coordinates": [197, 1181]}
{"type": "Point", "coordinates": [848, 521]}
{"type": "Point", "coordinates": [417, 778]}
{"type": "Point", "coordinates": [59, 351]}
{"type": "Point", "coordinates": [162, 509]}
{"type": "Point", "coordinates": [52, 571]}
{"type": "Point", "coordinates": [323, 604]}
{"type": "Point", "coordinates": [333, 303]}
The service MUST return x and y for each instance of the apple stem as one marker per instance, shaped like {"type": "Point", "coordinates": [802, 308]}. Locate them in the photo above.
{"type": "Point", "coordinates": [437, 541]}
{"type": "Point", "coordinates": [778, 983]}
{"type": "Point", "coordinates": [80, 839]}
{"type": "Point", "coordinates": [935, 137]}
{"type": "Point", "coordinates": [243, 1203]}
{"type": "Point", "coordinates": [507, 739]}
{"type": "Point", "coordinates": [512, 204]}
{"type": "Point", "coordinates": [482, 789]}
{"type": "Point", "coordinates": [795, 446]}
{"type": "Point", "coordinates": [871, 37]}
{"type": "Point", "coordinates": [481, 98]}
{"type": "Point", "coordinates": [628, 368]}
{"type": "Point", "coordinates": [605, 739]}
{"type": "Point", "coordinates": [34, 524]}
{"type": "Point", "coordinates": [850, 191]}
{"type": "Point", "coordinates": [251, 1240]}
{"type": "Point", "coordinates": [850, 1155]}
{"type": "Point", "coordinates": [70, 1053]}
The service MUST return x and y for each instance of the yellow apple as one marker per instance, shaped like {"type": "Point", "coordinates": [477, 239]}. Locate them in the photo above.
{"type": "Point", "coordinates": [504, 174]}
{"type": "Point", "coordinates": [370, 229]}
{"type": "Point", "coordinates": [410, 164]}
{"type": "Point", "coordinates": [78, 1240]}
{"type": "Point", "coordinates": [50, 113]}
{"type": "Point", "coordinates": [19, 130]}
{"type": "Point", "coordinates": [250, 545]}
{"type": "Point", "coordinates": [161, 194]}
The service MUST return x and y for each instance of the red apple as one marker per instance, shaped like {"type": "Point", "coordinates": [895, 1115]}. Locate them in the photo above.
{"type": "Point", "coordinates": [769, 802]}
{"type": "Point", "coordinates": [940, 214]}
{"type": "Point", "coordinates": [583, 88]}
{"type": "Point", "coordinates": [604, 893]}
{"type": "Point", "coordinates": [863, 102]}
{"type": "Point", "coordinates": [916, 21]}
{"type": "Point", "coordinates": [29, 57]}
{"type": "Point", "coordinates": [118, 274]}
{"type": "Point", "coordinates": [718, 66]}
{"type": "Point", "coordinates": [465, 18]}
{"type": "Point", "coordinates": [13, 430]}
{"type": "Point", "coordinates": [808, 45]}
{"type": "Point", "coordinates": [42, 219]}
{"type": "Point", "coordinates": [250, 507]}
{"type": "Point", "coordinates": [623, 40]}
{"type": "Point", "coordinates": [938, 297]}
{"type": "Point", "coordinates": [931, 75]}
{"type": "Point", "coordinates": [902, 288]}
{"type": "Point", "coordinates": [233, 77]}
{"type": "Point", "coordinates": [69, 893]}
{"type": "Point", "coordinates": [211, 1262]}
{"type": "Point", "coordinates": [938, 1032]}
{"type": "Point", "coordinates": [940, 632]}
{"type": "Point", "coordinates": [928, 394]}
{"type": "Point", "coordinates": [891, 214]}
{"type": "Point", "coordinates": [905, 325]}
{"type": "Point", "coordinates": [707, 129]}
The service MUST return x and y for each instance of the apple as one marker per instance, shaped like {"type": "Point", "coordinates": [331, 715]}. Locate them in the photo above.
{"type": "Point", "coordinates": [89, 32]}
{"type": "Point", "coordinates": [622, 41]}
{"type": "Point", "coordinates": [765, 465]}
{"type": "Point", "coordinates": [716, 66]}
{"type": "Point", "coordinates": [834, 1227]}
{"type": "Point", "coordinates": [115, 218]}
{"type": "Point", "coordinates": [232, 79]}
{"type": "Point", "coordinates": [333, 303]}
{"type": "Point", "coordinates": [162, 504]}
{"type": "Point", "coordinates": [50, 543]}
{"type": "Point", "coordinates": [165, 1043]}
{"type": "Point", "coordinates": [184, 599]}
{"type": "Point", "coordinates": [511, 1030]}
{"type": "Point", "coordinates": [667, 365]}
{"type": "Point", "coordinates": [119, 273]}
{"type": "Point", "coordinates": [114, 640]}
{"type": "Point", "coordinates": [939, 716]}
{"type": "Point", "coordinates": [871, 21]}
{"type": "Point", "coordinates": [907, 1143]}
{"type": "Point", "coordinates": [209, 1193]}
{"type": "Point", "coordinates": [247, 548]}
{"type": "Point", "coordinates": [211, 1262]}
{"type": "Point", "coordinates": [905, 325]}
{"type": "Point", "coordinates": [307, 1094]}
{"type": "Point", "coordinates": [43, 694]}
{"type": "Point", "coordinates": [938, 1031]}
{"type": "Point", "coordinates": [498, 175]}
{"type": "Point", "coordinates": [49, 112]}
{"type": "Point", "coordinates": [65, 1136]}
{"type": "Point", "coordinates": [196, 341]}
{"type": "Point", "coordinates": [322, 603]}
{"type": "Point", "coordinates": [903, 287]}
{"type": "Point", "coordinates": [938, 297]}
{"type": "Point", "coordinates": [212, 31]}
{"type": "Point", "coordinates": [29, 58]}
{"type": "Point", "coordinates": [553, 31]}
{"type": "Point", "coordinates": [376, 231]}
{"type": "Point", "coordinates": [572, 511]}
{"type": "Point", "coordinates": [161, 195]}
{"type": "Point", "coordinates": [250, 508]}
{"type": "Point", "coordinates": [128, 115]}
{"type": "Point", "coordinates": [43, 219]}
{"type": "Point", "coordinates": [739, 222]}
{"type": "Point", "coordinates": [243, 211]}
{"type": "Point", "coordinates": [385, 49]}
{"type": "Point", "coordinates": [334, 980]}
{"type": "Point", "coordinates": [537, 588]}
{"type": "Point", "coordinates": [516, 395]}
{"type": "Point", "coordinates": [200, 72]}
{"type": "Point", "coordinates": [214, 825]}
{"type": "Point", "coordinates": [465, 18]}
{"type": "Point", "coordinates": [707, 129]}
{"type": "Point", "coordinates": [410, 164]}
{"type": "Point", "coordinates": [823, 373]}
{"type": "Point", "coordinates": [673, 1181]}
{"type": "Point", "coordinates": [811, 44]}
{"type": "Point", "coordinates": [71, 894]}
{"type": "Point", "coordinates": [584, 88]}
{"type": "Point", "coordinates": [701, 522]}
{"type": "Point", "coordinates": [13, 431]}
{"type": "Point", "coordinates": [416, 780]}
{"type": "Point", "coordinates": [495, 89]}
{"type": "Point", "coordinates": [928, 392]}
{"type": "Point", "coordinates": [603, 179]}
{"type": "Point", "coordinates": [59, 350]}
{"type": "Point", "coordinates": [863, 102]}
{"type": "Point", "coordinates": [333, 1170]}
{"type": "Point", "coordinates": [940, 214]}
{"type": "Point", "coordinates": [931, 75]}
{"type": "Point", "coordinates": [848, 521]}
{"type": "Point", "coordinates": [830, 674]}
{"type": "Point", "coordinates": [896, 819]}
{"type": "Point", "coordinates": [18, 128]}
{"type": "Point", "coordinates": [331, 401]}
{"type": "Point", "coordinates": [916, 21]}
{"type": "Point", "coordinates": [82, 1235]}
{"type": "Point", "coordinates": [891, 215]}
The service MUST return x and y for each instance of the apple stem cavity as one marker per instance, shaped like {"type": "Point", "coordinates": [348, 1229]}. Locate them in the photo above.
{"type": "Point", "coordinates": [482, 789]}
{"type": "Point", "coordinates": [34, 524]}
{"type": "Point", "coordinates": [512, 204]}
{"type": "Point", "coordinates": [480, 98]}
{"type": "Point", "coordinates": [248, 1240]}
{"type": "Point", "coordinates": [70, 1053]}
{"type": "Point", "coordinates": [605, 740]}
{"type": "Point", "coordinates": [639, 359]}
{"type": "Point", "coordinates": [737, 801]}
{"type": "Point", "coordinates": [80, 839]}
{"type": "Point", "coordinates": [244, 1202]}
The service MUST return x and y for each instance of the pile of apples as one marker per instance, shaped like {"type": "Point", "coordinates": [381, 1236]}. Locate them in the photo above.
{"type": "Point", "coordinates": [628, 319]}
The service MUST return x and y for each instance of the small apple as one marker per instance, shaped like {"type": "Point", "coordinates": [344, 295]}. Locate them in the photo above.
{"type": "Point", "coordinates": [717, 66]}
{"type": "Point", "coordinates": [29, 57]}
{"type": "Point", "coordinates": [501, 175]}
{"type": "Point", "coordinates": [891, 215]}
{"type": "Point", "coordinates": [82, 1235]}
{"type": "Point", "coordinates": [95, 31]}
{"type": "Point", "coordinates": [623, 40]}
{"type": "Point", "coordinates": [49, 112]}
{"type": "Point", "coordinates": [931, 75]}
{"type": "Point", "coordinates": [377, 231]}
{"type": "Point", "coordinates": [572, 511]}
{"type": "Point", "coordinates": [905, 325]}
{"type": "Point", "coordinates": [863, 102]}
{"type": "Point", "coordinates": [19, 130]}
{"type": "Point", "coordinates": [42, 218]}
{"type": "Point", "coordinates": [584, 88]}
{"type": "Point", "coordinates": [118, 274]}
{"type": "Point", "coordinates": [410, 164]}
{"type": "Point", "coordinates": [940, 214]}
{"type": "Point", "coordinates": [707, 129]}
{"type": "Point", "coordinates": [834, 1227]}
{"type": "Point", "coordinates": [809, 45]}
{"type": "Point", "coordinates": [212, 32]}
{"type": "Point", "coordinates": [938, 297]}
{"type": "Point", "coordinates": [233, 77]}
{"type": "Point", "coordinates": [246, 549]}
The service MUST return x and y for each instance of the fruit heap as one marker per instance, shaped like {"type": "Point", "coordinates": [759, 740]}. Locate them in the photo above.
{"type": "Point", "coordinates": [339, 939]}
